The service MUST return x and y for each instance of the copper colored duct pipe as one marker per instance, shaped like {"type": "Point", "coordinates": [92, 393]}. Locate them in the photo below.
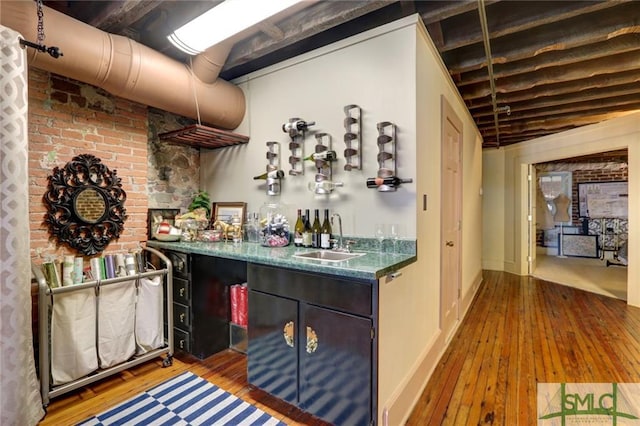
{"type": "Point", "coordinates": [126, 68]}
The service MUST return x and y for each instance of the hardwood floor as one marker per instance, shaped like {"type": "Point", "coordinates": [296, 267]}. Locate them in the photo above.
{"type": "Point", "coordinates": [519, 331]}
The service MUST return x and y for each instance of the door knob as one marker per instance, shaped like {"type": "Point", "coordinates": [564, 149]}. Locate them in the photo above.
{"type": "Point", "coordinates": [449, 243]}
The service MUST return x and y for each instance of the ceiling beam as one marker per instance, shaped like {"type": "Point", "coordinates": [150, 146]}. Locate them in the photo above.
{"type": "Point", "coordinates": [575, 32]}
{"type": "Point", "coordinates": [314, 19]}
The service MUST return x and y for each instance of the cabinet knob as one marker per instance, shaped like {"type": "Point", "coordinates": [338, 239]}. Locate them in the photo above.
{"type": "Point", "coordinates": [182, 316]}
{"type": "Point", "coordinates": [181, 344]}
{"type": "Point", "coordinates": [182, 291]}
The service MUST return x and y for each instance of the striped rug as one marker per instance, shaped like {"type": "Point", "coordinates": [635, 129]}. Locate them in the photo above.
{"type": "Point", "coordinates": [184, 400]}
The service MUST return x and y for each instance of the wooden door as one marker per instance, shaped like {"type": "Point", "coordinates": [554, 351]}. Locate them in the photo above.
{"type": "Point", "coordinates": [451, 222]}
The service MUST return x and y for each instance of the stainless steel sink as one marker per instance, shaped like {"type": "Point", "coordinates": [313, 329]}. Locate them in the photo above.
{"type": "Point", "coordinates": [327, 255]}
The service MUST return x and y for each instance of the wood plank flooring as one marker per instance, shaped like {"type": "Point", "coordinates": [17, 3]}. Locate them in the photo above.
{"type": "Point", "coordinates": [521, 331]}
{"type": "Point", "coordinates": [518, 332]}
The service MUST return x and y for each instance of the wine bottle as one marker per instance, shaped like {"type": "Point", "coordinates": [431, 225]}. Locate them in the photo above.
{"type": "Point", "coordinates": [391, 181]}
{"type": "Point", "coordinates": [325, 231]}
{"type": "Point", "coordinates": [298, 125]}
{"type": "Point", "coordinates": [325, 156]}
{"type": "Point", "coordinates": [316, 230]}
{"type": "Point", "coordinates": [298, 230]}
{"type": "Point", "coordinates": [273, 174]}
{"type": "Point", "coordinates": [306, 235]}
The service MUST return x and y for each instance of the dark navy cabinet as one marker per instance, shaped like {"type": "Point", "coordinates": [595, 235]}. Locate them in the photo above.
{"type": "Point", "coordinates": [311, 342]}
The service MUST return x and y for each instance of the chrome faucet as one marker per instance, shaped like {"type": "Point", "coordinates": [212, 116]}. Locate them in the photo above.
{"type": "Point", "coordinates": [340, 246]}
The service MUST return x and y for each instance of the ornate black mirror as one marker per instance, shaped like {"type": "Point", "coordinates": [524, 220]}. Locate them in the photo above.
{"type": "Point", "coordinates": [85, 205]}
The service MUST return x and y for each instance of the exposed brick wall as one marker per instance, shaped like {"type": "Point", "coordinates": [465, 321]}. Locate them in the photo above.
{"type": "Point", "coordinates": [68, 118]}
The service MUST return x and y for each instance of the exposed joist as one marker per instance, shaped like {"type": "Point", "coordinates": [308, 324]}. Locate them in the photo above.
{"type": "Point", "coordinates": [623, 104]}
{"type": "Point", "coordinates": [569, 34]}
{"type": "Point", "coordinates": [607, 82]}
{"type": "Point", "coordinates": [315, 19]}
{"type": "Point", "coordinates": [119, 15]}
{"type": "Point", "coordinates": [623, 62]}
{"type": "Point", "coordinates": [609, 94]}
{"type": "Point", "coordinates": [613, 46]}
{"type": "Point", "coordinates": [509, 17]}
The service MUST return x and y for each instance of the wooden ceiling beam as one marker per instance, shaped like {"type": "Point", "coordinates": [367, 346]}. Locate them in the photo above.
{"type": "Point", "coordinates": [508, 18]}
{"type": "Point", "coordinates": [630, 103]}
{"type": "Point", "coordinates": [561, 36]}
{"type": "Point", "coordinates": [622, 44]}
{"type": "Point", "coordinates": [589, 96]}
{"type": "Point", "coordinates": [620, 63]}
{"type": "Point", "coordinates": [311, 21]}
{"type": "Point", "coordinates": [116, 16]}
{"type": "Point", "coordinates": [607, 82]}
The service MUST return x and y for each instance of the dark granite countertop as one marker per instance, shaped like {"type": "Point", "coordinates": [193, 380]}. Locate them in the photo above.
{"type": "Point", "coordinates": [372, 266]}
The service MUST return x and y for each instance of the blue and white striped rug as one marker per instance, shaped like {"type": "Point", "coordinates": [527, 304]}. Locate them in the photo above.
{"type": "Point", "coordinates": [184, 400]}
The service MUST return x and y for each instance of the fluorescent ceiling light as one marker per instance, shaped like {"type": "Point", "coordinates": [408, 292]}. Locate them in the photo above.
{"type": "Point", "coordinates": [224, 21]}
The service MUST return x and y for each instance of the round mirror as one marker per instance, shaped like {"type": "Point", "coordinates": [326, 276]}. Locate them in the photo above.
{"type": "Point", "coordinates": [90, 205]}
{"type": "Point", "coordinates": [85, 205]}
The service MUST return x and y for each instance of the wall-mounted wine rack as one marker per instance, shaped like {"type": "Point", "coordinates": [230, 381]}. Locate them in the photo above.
{"type": "Point", "coordinates": [273, 158]}
{"type": "Point", "coordinates": [353, 138]}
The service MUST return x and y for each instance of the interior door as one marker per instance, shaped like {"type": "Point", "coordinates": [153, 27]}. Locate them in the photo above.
{"type": "Point", "coordinates": [451, 224]}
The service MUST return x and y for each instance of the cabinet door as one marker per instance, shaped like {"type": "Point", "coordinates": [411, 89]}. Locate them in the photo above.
{"type": "Point", "coordinates": [335, 366]}
{"type": "Point", "coordinates": [272, 358]}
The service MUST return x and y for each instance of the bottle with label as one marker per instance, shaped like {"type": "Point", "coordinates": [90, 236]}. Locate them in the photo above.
{"type": "Point", "coordinates": [274, 174]}
{"type": "Point", "coordinates": [391, 181]}
{"type": "Point", "coordinates": [296, 126]}
{"type": "Point", "coordinates": [325, 231]}
{"type": "Point", "coordinates": [324, 156]}
{"type": "Point", "coordinates": [316, 230]}
{"type": "Point", "coordinates": [306, 235]}
{"type": "Point", "coordinates": [298, 230]}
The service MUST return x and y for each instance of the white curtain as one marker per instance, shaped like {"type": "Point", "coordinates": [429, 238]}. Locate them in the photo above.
{"type": "Point", "coordinates": [20, 402]}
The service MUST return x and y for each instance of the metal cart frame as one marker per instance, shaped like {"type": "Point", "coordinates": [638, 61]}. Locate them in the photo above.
{"type": "Point", "coordinates": [45, 302]}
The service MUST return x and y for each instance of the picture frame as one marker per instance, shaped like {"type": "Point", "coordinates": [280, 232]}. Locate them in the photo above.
{"type": "Point", "coordinates": [168, 215]}
{"type": "Point", "coordinates": [224, 211]}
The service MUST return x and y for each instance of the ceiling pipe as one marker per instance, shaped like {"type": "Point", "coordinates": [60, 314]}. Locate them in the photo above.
{"type": "Point", "coordinates": [129, 69]}
{"type": "Point", "coordinates": [487, 52]}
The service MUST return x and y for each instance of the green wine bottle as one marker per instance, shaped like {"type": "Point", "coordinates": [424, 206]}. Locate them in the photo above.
{"type": "Point", "coordinates": [306, 235]}
{"type": "Point", "coordinates": [325, 231]}
{"type": "Point", "coordinates": [316, 230]}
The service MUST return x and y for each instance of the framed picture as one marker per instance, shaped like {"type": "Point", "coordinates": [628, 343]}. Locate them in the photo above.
{"type": "Point", "coordinates": [159, 215]}
{"type": "Point", "coordinates": [225, 211]}
{"type": "Point", "coordinates": [604, 199]}
{"type": "Point", "coordinates": [580, 245]}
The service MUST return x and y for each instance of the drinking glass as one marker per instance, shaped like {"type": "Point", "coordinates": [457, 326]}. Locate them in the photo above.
{"type": "Point", "coordinates": [380, 234]}
{"type": "Point", "coordinates": [393, 234]}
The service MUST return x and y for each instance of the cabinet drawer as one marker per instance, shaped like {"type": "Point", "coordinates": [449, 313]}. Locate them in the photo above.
{"type": "Point", "coordinates": [346, 295]}
{"type": "Point", "coordinates": [181, 293]}
{"type": "Point", "coordinates": [181, 340]}
{"type": "Point", "coordinates": [181, 316]}
{"type": "Point", "coordinates": [180, 262]}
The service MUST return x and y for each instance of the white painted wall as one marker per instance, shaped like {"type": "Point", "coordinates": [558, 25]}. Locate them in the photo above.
{"type": "Point", "coordinates": [619, 133]}
{"type": "Point", "coordinates": [371, 70]}
{"type": "Point", "coordinates": [394, 73]}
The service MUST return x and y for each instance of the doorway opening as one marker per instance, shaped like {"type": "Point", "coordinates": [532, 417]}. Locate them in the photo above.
{"type": "Point", "coordinates": [581, 222]}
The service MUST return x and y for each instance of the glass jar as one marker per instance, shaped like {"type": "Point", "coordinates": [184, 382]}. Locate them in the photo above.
{"type": "Point", "coordinates": [274, 226]}
{"type": "Point", "coordinates": [189, 228]}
